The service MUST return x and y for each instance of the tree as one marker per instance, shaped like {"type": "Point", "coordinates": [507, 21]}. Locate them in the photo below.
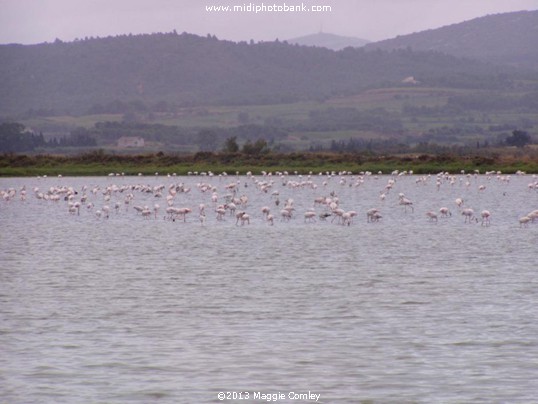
{"type": "Point", "coordinates": [258, 147]}
{"type": "Point", "coordinates": [230, 145]}
{"type": "Point", "coordinates": [519, 138]}
{"type": "Point", "coordinates": [15, 138]}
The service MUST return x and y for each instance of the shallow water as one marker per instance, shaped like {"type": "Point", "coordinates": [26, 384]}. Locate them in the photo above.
{"type": "Point", "coordinates": [128, 309]}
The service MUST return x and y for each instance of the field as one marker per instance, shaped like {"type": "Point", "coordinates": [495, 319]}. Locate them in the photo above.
{"type": "Point", "coordinates": [407, 115]}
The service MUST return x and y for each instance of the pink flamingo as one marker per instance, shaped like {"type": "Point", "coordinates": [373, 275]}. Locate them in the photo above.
{"type": "Point", "coordinates": [486, 215]}
{"type": "Point", "coordinates": [468, 213]}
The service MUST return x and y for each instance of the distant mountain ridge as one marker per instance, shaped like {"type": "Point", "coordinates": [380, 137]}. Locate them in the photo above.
{"type": "Point", "coordinates": [167, 70]}
{"type": "Point", "coordinates": [330, 41]}
{"type": "Point", "coordinates": [508, 39]}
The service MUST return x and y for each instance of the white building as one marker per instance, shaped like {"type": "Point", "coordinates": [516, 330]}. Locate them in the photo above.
{"type": "Point", "coordinates": [130, 141]}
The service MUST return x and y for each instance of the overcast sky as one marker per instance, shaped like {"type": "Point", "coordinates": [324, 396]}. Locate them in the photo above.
{"type": "Point", "coordinates": [36, 21]}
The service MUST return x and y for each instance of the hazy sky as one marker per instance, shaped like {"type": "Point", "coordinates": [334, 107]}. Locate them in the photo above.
{"type": "Point", "coordinates": [35, 21]}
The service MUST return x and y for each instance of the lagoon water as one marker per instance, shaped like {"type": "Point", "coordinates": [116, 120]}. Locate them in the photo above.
{"type": "Point", "coordinates": [135, 310]}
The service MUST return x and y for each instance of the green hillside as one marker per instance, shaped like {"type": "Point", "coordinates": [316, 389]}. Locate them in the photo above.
{"type": "Point", "coordinates": [161, 72]}
{"type": "Point", "coordinates": [508, 38]}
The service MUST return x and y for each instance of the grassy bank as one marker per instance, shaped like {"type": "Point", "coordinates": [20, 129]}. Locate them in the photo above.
{"type": "Point", "coordinates": [100, 163]}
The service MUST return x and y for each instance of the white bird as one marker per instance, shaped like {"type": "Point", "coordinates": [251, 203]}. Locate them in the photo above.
{"type": "Point", "coordinates": [146, 212]}
{"type": "Point", "coordinates": [486, 215]}
{"type": "Point", "coordinates": [370, 214]}
{"type": "Point", "coordinates": [533, 215]}
{"type": "Point", "coordinates": [432, 216]}
{"type": "Point", "coordinates": [245, 218]}
{"type": "Point", "coordinates": [346, 218]}
{"type": "Point", "coordinates": [74, 209]}
{"type": "Point", "coordinates": [406, 202]}
{"type": "Point", "coordinates": [468, 213]}
{"type": "Point", "coordinates": [285, 215]}
{"type": "Point", "coordinates": [221, 212]}
{"type": "Point", "coordinates": [445, 212]}
{"type": "Point", "coordinates": [183, 212]}
{"type": "Point", "coordinates": [238, 216]}
{"type": "Point", "coordinates": [310, 216]}
{"type": "Point", "coordinates": [338, 213]}
{"type": "Point", "coordinates": [524, 221]}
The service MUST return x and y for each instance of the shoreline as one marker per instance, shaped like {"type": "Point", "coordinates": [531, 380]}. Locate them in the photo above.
{"type": "Point", "coordinates": [100, 163]}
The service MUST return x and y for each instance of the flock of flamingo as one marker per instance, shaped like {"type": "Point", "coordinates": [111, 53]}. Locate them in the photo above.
{"type": "Point", "coordinates": [229, 198]}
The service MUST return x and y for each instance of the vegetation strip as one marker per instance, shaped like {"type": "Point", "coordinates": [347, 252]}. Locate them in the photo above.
{"type": "Point", "coordinates": [101, 163]}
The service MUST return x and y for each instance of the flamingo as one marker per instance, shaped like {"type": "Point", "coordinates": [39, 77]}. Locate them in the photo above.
{"type": "Point", "coordinates": [324, 215]}
{"type": "Point", "coordinates": [346, 218]}
{"type": "Point", "coordinates": [265, 210]}
{"type": "Point", "coordinates": [183, 212]}
{"type": "Point", "coordinates": [171, 213]}
{"type": "Point", "coordinates": [524, 221]}
{"type": "Point", "coordinates": [146, 212]}
{"type": "Point", "coordinates": [245, 218]}
{"type": "Point", "coordinates": [285, 215]}
{"type": "Point", "coordinates": [310, 216]}
{"type": "Point", "coordinates": [338, 213]}
{"type": "Point", "coordinates": [406, 202]}
{"type": "Point", "coordinates": [485, 217]}
{"type": "Point", "coordinates": [376, 217]}
{"type": "Point", "coordinates": [468, 213]}
{"type": "Point", "coordinates": [370, 214]}
{"type": "Point", "coordinates": [231, 207]}
{"type": "Point", "coordinates": [75, 208]}
{"type": "Point", "coordinates": [431, 216]}
{"type": "Point", "coordinates": [221, 212]}
{"type": "Point", "coordinates": [238, 216]}
{"type": "Point", "coordinates": [445, 212]}
{"type": "Point", "coordinates": [352, 214]}
{"type": "Point", "coordinates": [533, 215]}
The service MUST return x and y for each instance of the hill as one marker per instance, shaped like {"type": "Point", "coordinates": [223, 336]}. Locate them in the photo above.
{"type": "Point", "coordinates": [508, 38]}
{"type": "Point", "coordinates": [330, 41]}
{"type": "Point", "coordinates": [161, 72]}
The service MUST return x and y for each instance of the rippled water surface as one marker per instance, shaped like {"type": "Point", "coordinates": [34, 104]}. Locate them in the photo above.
{"type": "Point", "coordinates": [134, 309]}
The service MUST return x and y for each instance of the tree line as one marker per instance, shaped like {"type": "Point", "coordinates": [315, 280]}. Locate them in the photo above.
{"type": "Point", "coordinates": [249, 139]}
{"type": "Point", "coordinates": [15, 138]}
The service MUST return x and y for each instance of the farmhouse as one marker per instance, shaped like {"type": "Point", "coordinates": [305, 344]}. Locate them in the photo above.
{"type": "Point", "coordinates": [410, 80]}
{"type": "Point", "coordinates": [130, 141]}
